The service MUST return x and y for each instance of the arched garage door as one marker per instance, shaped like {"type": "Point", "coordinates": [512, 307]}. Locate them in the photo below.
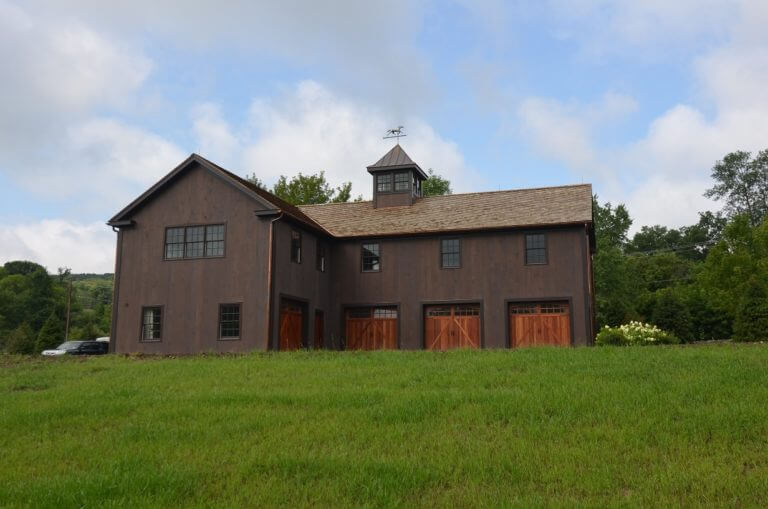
{"type": "Point", "coordinates": [539, 324]}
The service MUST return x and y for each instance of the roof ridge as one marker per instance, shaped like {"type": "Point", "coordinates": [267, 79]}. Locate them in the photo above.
{"type": "Point", "coordinates": [519, 189]}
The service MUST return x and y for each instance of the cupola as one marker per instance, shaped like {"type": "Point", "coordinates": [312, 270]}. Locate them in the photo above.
{"type": "Point", "coordinates": [396, 179]}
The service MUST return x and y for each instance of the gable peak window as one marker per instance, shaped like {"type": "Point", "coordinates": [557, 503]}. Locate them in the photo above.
{"type": "Point", "coordinates": [535, 249]}
{"type": "Point", "coordinates": [450, 253]}
{"type": "Point", "coordinates": [151, 323]}
{"type": "Point", "coordinates": [295, 246]}
{"type": "Point", "coordinates": [198, 241]}
{"type": "Point", "coordinates": [320, 256]}
{"type": "Point", "coordinates": [384, 182]}
{"type": "Point", "coordinates": [371, 257]}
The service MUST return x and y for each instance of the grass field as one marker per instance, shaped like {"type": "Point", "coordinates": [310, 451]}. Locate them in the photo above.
{"type": "Point", "coordinates": [658, 426]}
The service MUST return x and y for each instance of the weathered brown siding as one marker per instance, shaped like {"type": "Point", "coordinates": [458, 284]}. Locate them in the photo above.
{"type": "Point", "coordinates": [300, 281]}
{"type": "Point", "coordinates": [492, 273]}
{"type": "Point", "coordinates": [190, 291]}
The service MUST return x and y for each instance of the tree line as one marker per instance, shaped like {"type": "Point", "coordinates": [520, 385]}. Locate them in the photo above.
{"type": "Point", "coordinates": [39, 310]}
{"type": "Point", "coordinates": [704, 281]}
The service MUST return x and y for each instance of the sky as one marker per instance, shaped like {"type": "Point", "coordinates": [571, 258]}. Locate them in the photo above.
{"type": "Point", "coordinates": [101, 99]}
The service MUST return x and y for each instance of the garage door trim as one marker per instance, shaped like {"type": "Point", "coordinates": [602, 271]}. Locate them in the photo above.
{"type": "Point", "coordinates": [455, 302]}
{"type": "Point", "coordinates": [352, 305]}
{"type": "Point", "coordinates": [507, 302]}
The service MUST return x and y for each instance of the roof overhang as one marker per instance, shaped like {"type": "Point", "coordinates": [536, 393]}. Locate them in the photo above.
{"type": "Point", "coordinates": [414, 167]}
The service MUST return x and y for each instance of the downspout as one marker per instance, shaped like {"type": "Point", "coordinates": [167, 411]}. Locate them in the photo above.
{"type": "Point", "coordinates": [270, 283]}
{"type": "Point", "coordinates": [116, 291]}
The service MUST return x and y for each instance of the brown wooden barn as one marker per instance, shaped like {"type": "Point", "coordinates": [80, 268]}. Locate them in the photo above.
{"type": "Point", "coordinates": [208, 262]}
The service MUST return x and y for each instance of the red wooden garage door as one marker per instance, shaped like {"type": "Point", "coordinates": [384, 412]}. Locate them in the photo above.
{"type": "Point", "coordinates": [455, 326]}
{"type": "Point", "coordinates": [371, 328]}
{"type": "Point", "coordinates": [291, 325]}
{"type": "Point", "coordinates": [539, 324]}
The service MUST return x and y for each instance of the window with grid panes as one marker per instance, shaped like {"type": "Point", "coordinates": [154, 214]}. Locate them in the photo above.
{"type": "Point", "coordinates": [450, 253]}
{"type": "Point", "coordinates": [370, 257]}
{"type": "Point", "coordinates": [384, 182]}
{"type": "Point", "coordinates": [295, 246]}
{"type": "Point", "coordinates": [229, 321]}
{"type": "Point", "coordinates": [151, 323]}
{"type": "Point", "coordinates": [194, 241]}
{"type": "Point", "coordinates": [402, 181]}
{"type": "Point", "coordinates": [535, 249]}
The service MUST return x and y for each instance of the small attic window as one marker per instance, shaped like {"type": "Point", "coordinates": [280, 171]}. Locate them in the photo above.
{"type": "Point", "coordinates": [384, 183]}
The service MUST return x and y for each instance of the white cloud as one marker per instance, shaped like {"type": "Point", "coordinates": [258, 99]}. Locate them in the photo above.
{"type": "Point", "coordinates": [309, 129]}
{"type": "Point", "coordinates": [58, 243]}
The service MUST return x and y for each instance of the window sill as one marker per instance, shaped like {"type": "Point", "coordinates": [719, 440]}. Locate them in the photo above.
{"type": "Point", "coordinates": [229, 339]}
{"type": "Point", "coordinates": [150, 341]}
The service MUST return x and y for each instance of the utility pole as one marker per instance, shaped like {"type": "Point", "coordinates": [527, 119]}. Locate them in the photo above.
{"type": "Point", "coordinates": [69, 309]}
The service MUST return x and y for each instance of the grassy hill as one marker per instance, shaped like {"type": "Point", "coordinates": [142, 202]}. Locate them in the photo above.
{"type": "Point", "coordinates": [599, 426]}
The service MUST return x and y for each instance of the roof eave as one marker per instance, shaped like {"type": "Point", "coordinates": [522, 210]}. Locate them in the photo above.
{"type": "Point", "coordinates": [375, 169]}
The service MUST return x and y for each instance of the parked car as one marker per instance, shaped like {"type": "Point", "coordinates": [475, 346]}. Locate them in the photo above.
{"type": "Point", "coordinates": [105, 339]}
{"type": "Point", "coordinates": [78, 348]}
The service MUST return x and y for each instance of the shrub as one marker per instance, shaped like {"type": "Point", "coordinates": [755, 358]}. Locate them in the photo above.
{"type": "Point", "coordinates": [635, 334]}
{"type": "Point", "coordinates": [610, 336]}
{"type": "Point", "coordinates": [752, 314]}
{"type": "Point", "coordinates": [21, 340]}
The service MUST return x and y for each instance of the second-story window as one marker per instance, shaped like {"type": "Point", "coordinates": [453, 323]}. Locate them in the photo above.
{"type": "Point", "coordinates": [450, 253]}
{"type": "Point", "coordinates": [371, 258]}
{"type": "Point", "coordinates": [295, 246]}
{"type": "Point", "coordinates": [194, 241]}
{"type": "Point", "coordinates": [384, 182]}
{"type": "Point", "coordinates": [320, 256]}
{"type": "Point", "coordinates": [402, 181]}
{"type": "Point", "coordinates": [535, 249]}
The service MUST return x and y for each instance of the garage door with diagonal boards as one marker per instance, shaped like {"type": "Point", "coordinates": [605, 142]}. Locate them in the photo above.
{"type": "Point", "coordinates": [291, 325]}
{"type": "Point", "coordinates": [452, 326]}
{"type": "Point", "coordinates": [539, 324]}
{"type": "Point", "coordinates": [371, 328]}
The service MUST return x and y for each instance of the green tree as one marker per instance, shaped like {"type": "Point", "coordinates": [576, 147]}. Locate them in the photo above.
{"type": "Point", "coordinates": [253, 179]}
{"type": "Point", "coordinates": [742, 182]}
{"type": "Point", "coordinates": [615, 291]}
{"type": "Point", "coordinates": [310, 189]}
{"type": "Point", "coordinates": [751, 322]}
{"type": "Point", "coordinates": [435, 185]}
{"type": "Point", "coordinates": [51, 333]}
{"type": "Point", "coordinates": [21, 340]}
{"type": "Point", "coordinates": [671, 313]}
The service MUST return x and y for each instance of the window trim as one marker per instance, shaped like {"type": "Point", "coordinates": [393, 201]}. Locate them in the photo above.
{"type": "Point", "coordinates": [239, 321]}
{"type": "Point", "coordinates": [362, 262]}
{"type": "Point", "coordinates": [141, 323]}
{"type": "Point", "coordinates": [440, 253]}
{"type": "Point", "coordinates": [321, 247]}
{"type": "Point", "coordinates": [546, 248]}
{"type": "Point", "coordinates": [184, 244]}
{"type": "Point", "coordinates": [300, 253]}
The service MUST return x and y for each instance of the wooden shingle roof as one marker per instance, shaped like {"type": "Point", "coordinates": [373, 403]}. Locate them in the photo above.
{"type": "Point", "coordinates": [546, 206]}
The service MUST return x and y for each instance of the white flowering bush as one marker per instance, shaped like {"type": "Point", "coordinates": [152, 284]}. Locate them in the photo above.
{"type": "Point", "coordinates": [634, 334]}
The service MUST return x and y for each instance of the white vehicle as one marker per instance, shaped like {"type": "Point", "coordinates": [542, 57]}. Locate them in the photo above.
{"type": "Point", "coordinates": [104, 339]}
{"type": "Point", "coordinates": [62, 348]}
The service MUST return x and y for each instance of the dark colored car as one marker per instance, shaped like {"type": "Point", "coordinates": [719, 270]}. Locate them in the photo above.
{"type": "Point", "coordinates": [79, 348]}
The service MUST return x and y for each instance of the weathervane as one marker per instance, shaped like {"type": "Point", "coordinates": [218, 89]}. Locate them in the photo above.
{"type": "Point", "coordinates": [396, 132]}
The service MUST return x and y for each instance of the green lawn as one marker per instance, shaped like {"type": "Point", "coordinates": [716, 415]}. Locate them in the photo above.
{"type": "Point", "coordinates": [676, 426]}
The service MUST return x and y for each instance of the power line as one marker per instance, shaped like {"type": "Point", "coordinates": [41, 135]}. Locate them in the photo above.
{"type": "Point", "coordinates": [673, 248]}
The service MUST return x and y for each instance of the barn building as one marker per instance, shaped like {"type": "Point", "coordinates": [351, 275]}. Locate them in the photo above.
{"type": "Point", "coordinates": [208, 262]}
